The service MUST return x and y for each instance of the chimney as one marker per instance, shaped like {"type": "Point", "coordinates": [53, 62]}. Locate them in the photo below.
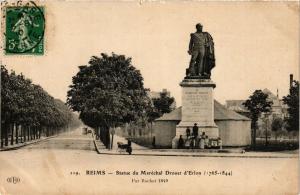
{"type": "Point", "coordinates": [291, 80]}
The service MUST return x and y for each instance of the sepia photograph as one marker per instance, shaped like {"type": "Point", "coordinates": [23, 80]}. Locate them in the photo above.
{"type": "Point", "coordinates": [149, 97]}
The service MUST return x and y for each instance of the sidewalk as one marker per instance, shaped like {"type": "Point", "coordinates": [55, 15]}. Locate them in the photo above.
{"type": "Point", "coordinates": [124, 141]}
{"type": "Point", "coordinates": [102, 149]}
{"type": "Point", "coordinates": [143, 151]}
{"type": "Point", "coordinates": [19, 145]}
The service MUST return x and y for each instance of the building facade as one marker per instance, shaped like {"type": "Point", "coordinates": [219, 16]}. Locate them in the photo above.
{"type": "Point", "coordinates": [234, 129]}
{"type": "Point", "coordinates": [278, 110]}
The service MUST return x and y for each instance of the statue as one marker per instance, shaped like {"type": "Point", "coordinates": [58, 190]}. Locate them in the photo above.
{"type": "Point", "coordinates": [201, 49]}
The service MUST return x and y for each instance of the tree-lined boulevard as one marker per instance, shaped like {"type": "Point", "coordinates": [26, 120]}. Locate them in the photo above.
{"type": "Point", "coordinates": [29, 112]}
{"type": "Point", "coordinates": [71, 140]}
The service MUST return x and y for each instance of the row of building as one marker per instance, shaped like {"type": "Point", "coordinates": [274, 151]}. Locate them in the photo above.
{"type": "Point", "coordinates": [279, 109]}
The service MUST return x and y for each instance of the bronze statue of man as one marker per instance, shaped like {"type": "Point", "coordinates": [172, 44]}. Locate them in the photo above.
{"type": "Point", "coordinates": [201, 48]}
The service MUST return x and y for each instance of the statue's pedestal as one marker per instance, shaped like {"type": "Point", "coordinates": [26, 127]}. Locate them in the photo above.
{"type": "Point", "coordinates": [197, 107]}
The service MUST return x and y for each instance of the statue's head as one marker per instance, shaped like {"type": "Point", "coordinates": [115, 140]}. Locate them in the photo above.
{"type": "Point", "coordinates": [199, 27]}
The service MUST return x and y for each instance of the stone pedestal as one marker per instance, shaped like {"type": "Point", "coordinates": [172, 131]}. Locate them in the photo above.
{"type": "Point", "coordinates": [197, 107]}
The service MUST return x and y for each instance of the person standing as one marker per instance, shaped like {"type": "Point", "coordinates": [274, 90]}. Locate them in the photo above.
{"type": "Point", "coordinates": [220, 143]}
{"type": "Point", "coordinates": [129, 148]}
{"type": "Point", "coordinates": [206, 142]}
{"type": "Point", "coordinates": [153, 142]}
{"type": "Point", "coordinates": [180, 143]}
{"type": "Point", "coordinates": [188, 132]}
{"type": "Point", "coordinates": [202, 140]}
{"type": "Point", "coordinates": [195, 131]}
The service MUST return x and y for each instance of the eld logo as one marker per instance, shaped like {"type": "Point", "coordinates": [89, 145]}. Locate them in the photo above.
{"type": "Point", "coordinates": [13, 180]}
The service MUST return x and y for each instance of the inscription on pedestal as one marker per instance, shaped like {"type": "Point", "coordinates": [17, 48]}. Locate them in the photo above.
{"type": "Point", "coordinates": [197, 105]}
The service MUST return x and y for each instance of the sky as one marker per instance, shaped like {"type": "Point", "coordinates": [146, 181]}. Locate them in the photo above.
{"type": "Point", "coordinates": [256, 43]}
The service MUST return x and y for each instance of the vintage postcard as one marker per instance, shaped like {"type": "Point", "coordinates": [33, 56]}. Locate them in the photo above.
{"type": "Point", "coordinates": [149, 97]}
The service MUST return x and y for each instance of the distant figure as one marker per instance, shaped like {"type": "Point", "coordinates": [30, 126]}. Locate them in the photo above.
{"type": "Point", "coordinates": [202, 141]}
{"type": "Point", "coordinates": [153, 142]}
{"type": "Point", "coordinates": [192, 143]}
{"type": "Point", "coordinates": [203, 135]}
{"type": "Point", "coordinates": [180, 143]}
{"type": "Point", "coordinates": [220, 143]}
{"type": "Point", "coordinates": [187, 143]}
{"type": "Point", "coordinates": [195, 131]}
{"type": "Point", "coordinates": [188, 132]}
{"type": "Point", "coordinates": [206, 142]}
{"type": "Point", "coordinates": [129, 148]}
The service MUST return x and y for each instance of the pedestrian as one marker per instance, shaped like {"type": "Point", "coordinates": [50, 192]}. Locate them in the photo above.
{"type": "Point", "coordinates": [206, 142]}
{"type": "Point", "coordinates": [180, 143]}
{"type": "Point", "coordinates": [187, 143]}
{"type": "Point", "coordinates": [195, 136]}
{"type": "Point", "coordinates": [153, 142]}
{"type": "Point", "coordinates": [202, 140]}
{"type": "Point", "coordinates": [220, 143]}
{"type": "Point", "coordinates": [195, 131]}
{"type": "Point", "coordinates": [192, 143]}
{"type": "Point", "coordinates": [188, 132]}
{"type": "Point", "coordinates": [129, 148]}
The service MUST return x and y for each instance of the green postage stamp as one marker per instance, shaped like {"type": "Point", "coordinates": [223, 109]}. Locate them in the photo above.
{"type": "Point", "coordinates": [24, 29]}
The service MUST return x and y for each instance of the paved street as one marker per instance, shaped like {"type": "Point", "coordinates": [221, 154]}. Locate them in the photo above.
{"type": "Point", "coordinates": [68, 164]}
{"type": "Point", "coordinates": [73, 140]}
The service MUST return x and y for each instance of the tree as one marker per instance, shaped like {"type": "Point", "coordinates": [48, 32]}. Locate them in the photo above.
{"type": "Point", "coordinates": [163, 104]}
{"type": "Point", "coordinates": [257, 104]}
{"type": "Point", "coordinates": [159, 106]}
{"type": "Point", "coordinates": [5, 108]}
{"type": "Point", "coordinates": [107, 92]}
{"type": "Point", "coordinates": [27, 106]}
{"type": "Point", "coordinates": [266, 126]}
{"type": "Point", "coordinates": [292, 101]}
{"type": "Point", "coordinates": [276, 126]}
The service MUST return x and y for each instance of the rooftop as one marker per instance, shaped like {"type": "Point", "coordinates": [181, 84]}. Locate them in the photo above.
{"type": "Point", "coordinates": [221, 113]}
